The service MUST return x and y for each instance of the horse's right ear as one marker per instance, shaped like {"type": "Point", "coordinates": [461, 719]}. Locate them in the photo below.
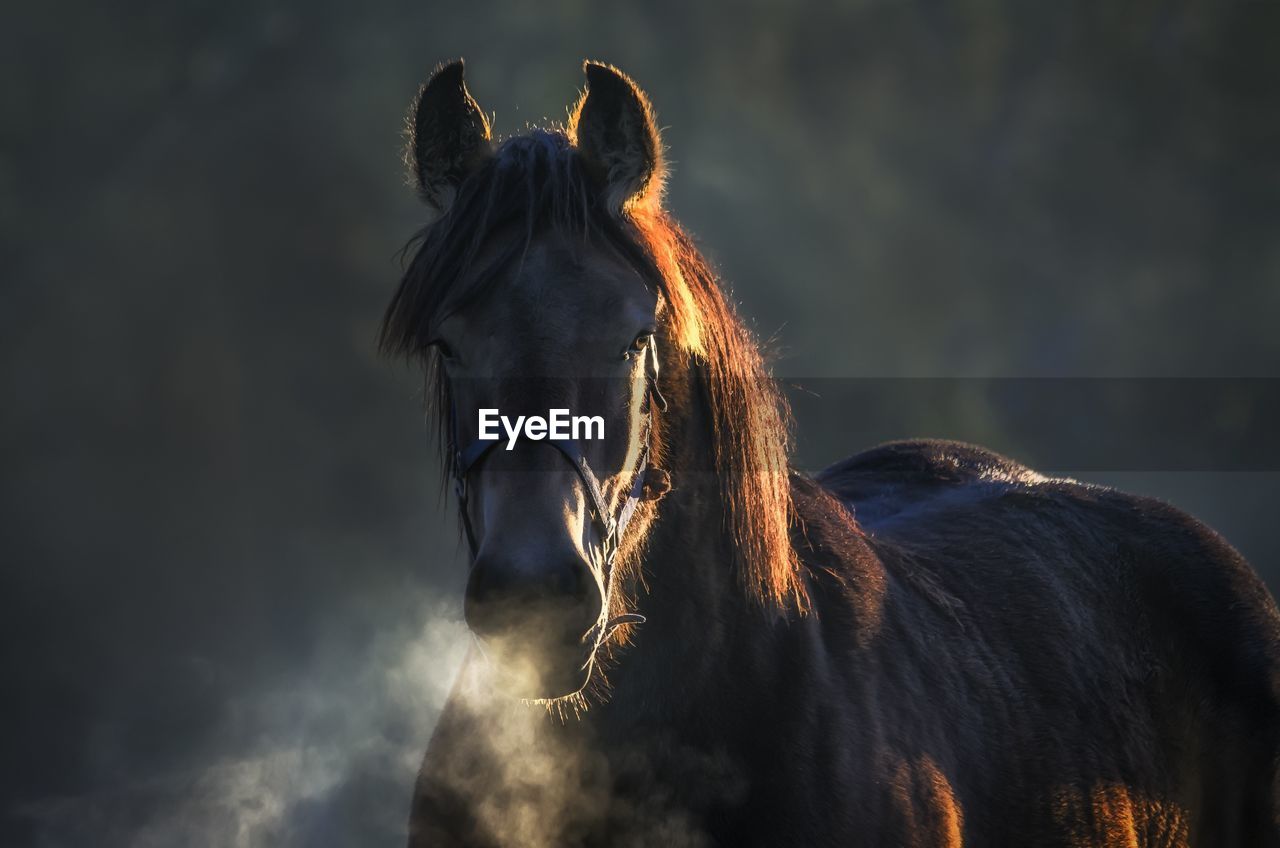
{"type": "Point", "coordinates": [448, 136]}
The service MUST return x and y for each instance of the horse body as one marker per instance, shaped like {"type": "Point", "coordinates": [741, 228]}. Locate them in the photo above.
{"type": "Point", "coordinates": [993, 658]}
{"type": "Point", "coordinates": [924, 645]}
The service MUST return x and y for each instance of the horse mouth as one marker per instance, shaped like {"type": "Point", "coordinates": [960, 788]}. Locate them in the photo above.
{"type": "Point", "coordinates": [536, 668]}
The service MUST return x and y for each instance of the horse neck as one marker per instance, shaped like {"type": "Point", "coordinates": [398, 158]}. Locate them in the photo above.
{"type": "Point", "coordinates": [694, 603]}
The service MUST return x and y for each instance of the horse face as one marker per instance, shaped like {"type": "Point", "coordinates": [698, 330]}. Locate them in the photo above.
{"type": "Point", "coordinates": [569, 328]}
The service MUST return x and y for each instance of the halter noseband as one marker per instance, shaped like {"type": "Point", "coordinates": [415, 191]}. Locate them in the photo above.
{"type": "Point", "coordinates": [610, 527]}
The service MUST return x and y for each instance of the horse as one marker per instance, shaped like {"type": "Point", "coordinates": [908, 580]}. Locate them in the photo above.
{"type": "Point", "coordinates": [681, 640]}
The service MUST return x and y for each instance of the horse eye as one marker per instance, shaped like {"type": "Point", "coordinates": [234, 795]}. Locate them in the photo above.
{"type": "Point", "coordinates": [640, 343]}
{"type": "Point", "coordinates": [442, 347]}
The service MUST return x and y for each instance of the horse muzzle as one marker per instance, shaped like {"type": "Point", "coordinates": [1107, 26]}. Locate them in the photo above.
{"type": "Point", "coordinates": [535, 623]}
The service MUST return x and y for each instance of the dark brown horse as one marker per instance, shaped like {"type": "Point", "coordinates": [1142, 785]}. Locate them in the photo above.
{"type": "Point", "coordinates": [680, 641]}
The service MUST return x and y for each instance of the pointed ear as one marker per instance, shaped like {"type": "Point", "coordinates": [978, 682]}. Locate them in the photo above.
{"type": "Point", "coordinates": [614, 127]}
{"type": "Point", "coordinates": [448, 136]}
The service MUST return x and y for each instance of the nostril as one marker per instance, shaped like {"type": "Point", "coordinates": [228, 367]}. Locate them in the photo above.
{"type": "Point", "coordinates": [504, 595]}
{"type": "Point", "coordinates": [572, 581]}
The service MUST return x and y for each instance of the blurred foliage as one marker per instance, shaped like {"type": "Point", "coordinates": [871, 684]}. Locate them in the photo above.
{"type": "Point", "coordinates": [201, 206]}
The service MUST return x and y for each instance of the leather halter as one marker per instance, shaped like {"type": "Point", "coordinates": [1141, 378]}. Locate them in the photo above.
{"type": "Point", "coordinates": [609, 526]}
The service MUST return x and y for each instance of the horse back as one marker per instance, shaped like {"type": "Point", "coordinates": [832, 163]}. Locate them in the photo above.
{"type": "Point", "coordinates": [1123, 657]}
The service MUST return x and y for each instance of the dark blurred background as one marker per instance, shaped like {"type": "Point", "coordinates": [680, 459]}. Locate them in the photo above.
{"type": "Point", "coordinates": [230, 588]}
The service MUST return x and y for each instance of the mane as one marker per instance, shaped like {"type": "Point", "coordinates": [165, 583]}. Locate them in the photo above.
{"type": "Point", "coordinates": [536, 182]}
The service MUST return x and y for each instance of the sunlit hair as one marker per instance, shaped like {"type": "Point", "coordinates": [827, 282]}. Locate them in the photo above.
{"type": "Point", "coordinates": [536, 183]}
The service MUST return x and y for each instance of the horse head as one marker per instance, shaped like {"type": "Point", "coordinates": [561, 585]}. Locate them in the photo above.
{"type": "Point", "coordinates": [540, 299]}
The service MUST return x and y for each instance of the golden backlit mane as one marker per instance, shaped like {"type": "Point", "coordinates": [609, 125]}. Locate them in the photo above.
{"type": "Point", "coordinates": [751, 419]}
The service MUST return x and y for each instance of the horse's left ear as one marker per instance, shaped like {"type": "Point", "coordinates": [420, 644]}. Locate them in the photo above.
{"type": "Point", "coordinates": [614, 128]}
